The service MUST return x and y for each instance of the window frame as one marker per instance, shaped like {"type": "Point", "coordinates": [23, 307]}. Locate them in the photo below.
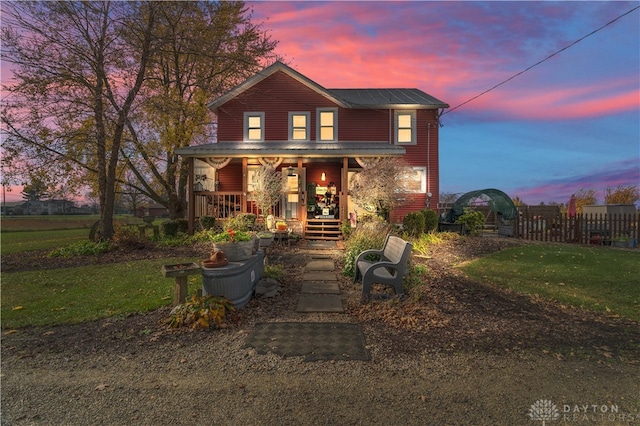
{"type": "Point", "coordinates": [307, 128]}
{"type": "Point", "coordinates": [319, 126]}
{"type": "Point", "coordinates": [397, 128]}
{"type": "Point", "coordinates": [247, 129]}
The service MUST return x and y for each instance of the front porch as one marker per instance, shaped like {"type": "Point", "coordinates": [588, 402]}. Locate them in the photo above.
{"type": "Point", "coordinates": [316, 178]}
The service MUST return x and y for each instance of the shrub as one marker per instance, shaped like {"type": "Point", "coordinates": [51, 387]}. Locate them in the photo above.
{"type": "Point", "coordinates": [170, 228]}
{"type": "Point", "coordinates": [274, 271]}
{"type": "Point", "coordinates": [242, 222]}
{"type": "Point", "coordinates": [183, 225]}
{"type": "Point", "coordinates": [201, 312]}
{"type": "Point", "coordinates": [430, 220]}
{"type": "Point", "coordinates": [472, 219]}
{"type": "Point", "coordinates": [207, 222]}
{"type": "Point", "coordinates": [413, 223]}
{"type": "Point", "coordinates": [346, 229]}
{"type": "Point", "coordinates": [368, 235]}
{"type": "Point", "coordinates": [81, 248]}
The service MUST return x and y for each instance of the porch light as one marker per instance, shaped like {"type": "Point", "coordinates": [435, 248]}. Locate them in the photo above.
{"type": "Point", "coordinates": [290, 171]}
{"type": "Point", "coordinates": [323, 177]}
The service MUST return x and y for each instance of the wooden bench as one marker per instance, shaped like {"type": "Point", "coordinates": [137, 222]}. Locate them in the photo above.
{"type": "Point", "coordinates": [389, 270]}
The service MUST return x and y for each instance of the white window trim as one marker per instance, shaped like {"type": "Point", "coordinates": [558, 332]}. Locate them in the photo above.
{"type": "Point", "coordinates": [307, 129]}
{"type": "Point", "coordinates": [412, 113]}
{"type": "Point", "coordinates": [246, 126]}
{"type": "Point", "coordinates": [335, 124]}
{"type": "Point", "coordinates": [421, 173]}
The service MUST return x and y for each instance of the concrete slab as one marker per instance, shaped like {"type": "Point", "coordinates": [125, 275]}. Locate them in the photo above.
{"type": "Point", "coordinates": [320, 276]}
{"type": "Point", "coordinates": [319, 303]}
{"type": "Point", "coordinates": [320, 265]}
{"type": "Point", "coordinates": [320, 287]}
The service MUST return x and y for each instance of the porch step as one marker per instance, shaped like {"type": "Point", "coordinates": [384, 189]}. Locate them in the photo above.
{"type": "Point", "coordinates": [322, 229]}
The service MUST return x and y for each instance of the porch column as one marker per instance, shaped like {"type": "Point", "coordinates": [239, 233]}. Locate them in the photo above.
{"type": "Point", "coordinates": [344, 187]}
{"type": "Point", "coordinates": [302, 204]}
{"type": "Point", "coordinates": [191, 219]}
{"type": "Point", "coordinates": [245, 163]}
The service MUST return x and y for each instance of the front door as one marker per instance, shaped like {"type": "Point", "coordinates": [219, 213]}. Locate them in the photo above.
{"type": "Point", "coordinates": [291, 199]}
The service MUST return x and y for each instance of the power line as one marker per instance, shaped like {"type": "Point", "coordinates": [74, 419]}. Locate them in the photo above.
{"type": "Point", "coordinates": [541, 61]}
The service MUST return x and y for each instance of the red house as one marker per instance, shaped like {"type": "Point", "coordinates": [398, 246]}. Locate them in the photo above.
{"type": "Point", "coordinates": [317, 137]}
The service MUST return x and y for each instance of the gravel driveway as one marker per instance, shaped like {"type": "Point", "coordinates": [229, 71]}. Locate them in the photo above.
{"type": "Point", "coordinates": [490, 357]}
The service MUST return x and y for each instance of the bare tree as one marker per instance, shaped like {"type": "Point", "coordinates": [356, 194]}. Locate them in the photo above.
{"type": "Point", "coordinates": [379, 187]}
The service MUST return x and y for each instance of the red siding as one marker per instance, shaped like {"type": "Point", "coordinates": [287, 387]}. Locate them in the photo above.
{"type": "Point", "coordinates": [279, 94]}
{"type": "Point", "coordinates": [230, 177]}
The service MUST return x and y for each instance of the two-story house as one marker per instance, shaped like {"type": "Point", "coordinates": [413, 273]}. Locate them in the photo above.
{"type": "Point", "coordinates": [318, 138]}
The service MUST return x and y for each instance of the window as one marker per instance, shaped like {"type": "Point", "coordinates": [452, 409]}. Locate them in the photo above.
{"type": "Point", "coordinates": [299, 126]}
{"type": "Point", "coordinates": [405, 127]}
{"type": "Point", "coordinates": [254, 126]}
{"type": "Point", "coordinates": [327, 124]}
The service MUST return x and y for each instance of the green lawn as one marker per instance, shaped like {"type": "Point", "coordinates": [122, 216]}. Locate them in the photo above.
{"type": "Point", "coordinates": [75, 295]}
{"type": "Point", "coordinates": [593, 278]}
{"type": "Point", "coordinates": [14, 242]}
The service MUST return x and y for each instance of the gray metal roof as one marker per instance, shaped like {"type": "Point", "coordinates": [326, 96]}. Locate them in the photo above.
{"type": "Point", "coordinates": [292, 149]}
{"type": "Point", "coordinates": [346, 98]}
{"type": "Point", "coordinates": [387, 98]}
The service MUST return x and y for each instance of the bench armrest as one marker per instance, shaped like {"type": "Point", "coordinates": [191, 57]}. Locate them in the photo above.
{"type": "Point", "coordinates": [362, 255]}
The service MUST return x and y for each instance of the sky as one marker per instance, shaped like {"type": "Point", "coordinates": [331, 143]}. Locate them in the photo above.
{"type": "Point", "coordinates": [569, 123]}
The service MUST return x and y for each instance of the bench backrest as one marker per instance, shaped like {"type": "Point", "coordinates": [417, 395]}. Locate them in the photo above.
{"type": "Point", "coordinates": [397, 250]}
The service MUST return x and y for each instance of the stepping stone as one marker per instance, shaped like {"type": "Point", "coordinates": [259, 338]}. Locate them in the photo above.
{"type": "Point", "coordinates": [319, 276]}
{"type": "Point", "coordinates": [319, 303]}
{"type": "Point", "coordinates": [320, 265]}
{"type": "Point", "coordinates": [320, 287]}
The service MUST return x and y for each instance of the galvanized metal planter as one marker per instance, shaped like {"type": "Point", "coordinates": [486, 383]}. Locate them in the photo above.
{"type": "Point", "coordinates": [234, 281]}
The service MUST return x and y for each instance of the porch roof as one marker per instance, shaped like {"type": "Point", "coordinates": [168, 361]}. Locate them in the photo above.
{"type": "Point", "coordinates": [287, 149]}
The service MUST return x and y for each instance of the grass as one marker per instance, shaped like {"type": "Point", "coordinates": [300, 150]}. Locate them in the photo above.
{"type": "Point", "coordinates": [593, 278]}
{"type": "Point", "coordinates": [75, 295]}
{"type": "Point", "coordinates": [25, 233]}
{"type": "Point", "coordinates": [15, 242]}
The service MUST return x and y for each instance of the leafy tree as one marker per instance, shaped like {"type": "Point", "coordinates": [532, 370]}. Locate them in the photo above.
{"type": "Point", "coordinates": [622, 195]}
{"type": "Point", "coordinates": [80, 67]}
{"type": "Point", "coordinates": [585, 197]}
{"type": "Point", "coordinates": [379, 185]}
{"type": "Point", "coordinates": [35, 191]}
{"type": "Point", "coordinates": [208, 48]}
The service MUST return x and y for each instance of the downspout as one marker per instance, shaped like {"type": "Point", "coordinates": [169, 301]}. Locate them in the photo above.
{"type": "Point", "coordinates": [192, 197]}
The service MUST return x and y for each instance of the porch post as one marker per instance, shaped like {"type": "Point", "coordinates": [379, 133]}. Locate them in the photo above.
{"type": "Point", "coordinates": [245, 163]}
{"type": "Point", "coordinates": [344, 187]}
{"type": "Point", "coordinates": [191, 219]}
{"type": "Point", "coordinates": [302, 206]}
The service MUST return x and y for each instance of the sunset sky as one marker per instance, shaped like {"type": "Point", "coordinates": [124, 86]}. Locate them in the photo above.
{"type": "Point", "coordinates": [571, 122]}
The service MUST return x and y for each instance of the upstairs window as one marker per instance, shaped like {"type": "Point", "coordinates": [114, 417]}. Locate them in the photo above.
{"type": "Point", "coordinates": [254, 126]}
{"type": "Point", "coordinates": [405, 127]}
{"type": "Point", "coordinates": [328, 124]}
{"type": "Point", "coordinates": [299, 126]}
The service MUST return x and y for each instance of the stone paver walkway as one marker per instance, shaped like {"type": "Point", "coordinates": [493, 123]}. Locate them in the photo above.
{"type": "Point", "coordinates": [320, 291]}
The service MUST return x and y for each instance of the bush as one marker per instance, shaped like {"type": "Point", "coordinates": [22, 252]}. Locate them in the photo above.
{"type": "Point", "coordinates": [242, 222]}
{"type": "Point", "coordinates": [430, 220]}
{"type": "Point", "coordinates": [201, 312]}
{"type": "Point", "coordinates": [472, 219]}
{"type": "Point", "coordinates": [183, 225]}
{"type": "Point", "coordinates": [413, 223]}
{"type": "Point", "coordinates": [207, 222]}
{"type": "Point", "coordinates": [368, 235]}
{"type": "Point", "coordinates": [170, 228]}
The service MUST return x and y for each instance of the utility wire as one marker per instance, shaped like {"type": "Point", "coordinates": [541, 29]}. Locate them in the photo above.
{"type": "Point", "coordinates": [540, 62]}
